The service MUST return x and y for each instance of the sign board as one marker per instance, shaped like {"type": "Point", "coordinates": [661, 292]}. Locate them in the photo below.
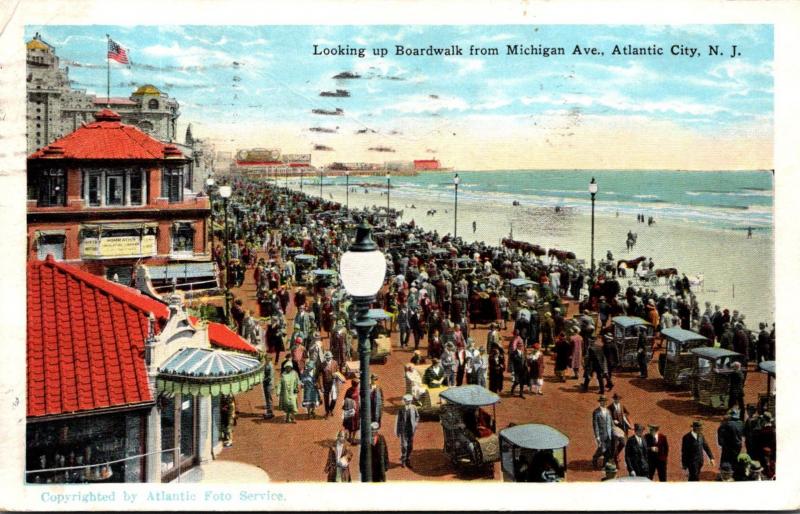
{"type": "Point", "coordinates": [112, 247]}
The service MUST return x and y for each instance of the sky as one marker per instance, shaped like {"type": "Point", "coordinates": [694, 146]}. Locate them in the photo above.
{"type": "Point", "coordinates": [258, 86]}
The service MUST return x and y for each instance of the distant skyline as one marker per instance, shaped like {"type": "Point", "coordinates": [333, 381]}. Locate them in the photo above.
{"type": "Point", "coordinates": [260, 87]}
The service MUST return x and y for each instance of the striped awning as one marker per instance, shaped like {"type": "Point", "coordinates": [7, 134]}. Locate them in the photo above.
{"type": "Point", "coordinates": [203, 371]}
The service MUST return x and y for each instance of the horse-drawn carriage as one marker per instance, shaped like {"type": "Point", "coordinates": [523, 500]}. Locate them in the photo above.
{"type": "Point", "coordinates": [675, 364]}
{"type": "Point", "coordinates": [533, 453]}
{"type": "Point", "coordinates": [710, 378]}
{"type": "Point", "coordinates": [766, 401]}
{"type": "Point", "coordinates": [470, 438]}
{"type": "Point", "coordinates": [625, 337]}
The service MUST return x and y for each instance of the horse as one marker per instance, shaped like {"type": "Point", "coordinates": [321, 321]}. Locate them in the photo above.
{"type": "Point", "coordinates": [622, 265]}
{"type": "Point", "coordinates": [560, 255]}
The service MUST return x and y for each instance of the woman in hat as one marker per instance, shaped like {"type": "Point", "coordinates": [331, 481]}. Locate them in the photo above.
{"type": "Point", "coordinates": [287, 392]}
{"type": "Point", "coordinates": [576, 351]}
{"type": "Point", "coordinates": [496, 369]}
{"type": "Point", "coordinates": [351, 418]}
{"type": "Point", "coordinates": [449, 364]}
{"type": "Point", "coordinates": [536, 369]}
{"type": "Point", "coordinates": [309, 379]}
{"type": "Point", "coordinates": [563, 353]}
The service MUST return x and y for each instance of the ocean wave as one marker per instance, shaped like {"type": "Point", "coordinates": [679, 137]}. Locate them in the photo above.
{"type": "Point", "coordinates": [720, 215]}
{"type": "Point", "coordinates": [760, 193]}
{"type": "Point", "coordinates": [643, 197]}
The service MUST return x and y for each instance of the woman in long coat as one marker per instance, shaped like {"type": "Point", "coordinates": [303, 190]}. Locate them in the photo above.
{"type": "Point", "coordinates": [309, 380]}
{"type": "Point", "coordinates": [287, 392]}
{"type": "Point", "coordinates": [351, 412]}
{"type": "Point", "coordinates": [563, 353]}
{"type": "Point", "coordinates": [496, 369]}
{"type": "Point", "coordinates": [337, 467]}
{"type": "Point", "coordinates": [576, 345]}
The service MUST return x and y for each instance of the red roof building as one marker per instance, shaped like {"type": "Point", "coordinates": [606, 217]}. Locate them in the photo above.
{"type": "Point", "coordinates": [86, 339]}
{"type": "Point", "coordinates": [108, 385]}
{"type": "Point", "coordinates": [109, 195]}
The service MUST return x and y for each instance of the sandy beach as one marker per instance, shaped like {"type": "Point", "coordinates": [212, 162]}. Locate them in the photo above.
{"type": "Point", "coordinates": [738, 272]}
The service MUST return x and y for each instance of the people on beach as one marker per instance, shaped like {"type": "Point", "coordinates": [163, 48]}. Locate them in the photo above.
{"type": "Point", "coordinates": [439, 290]}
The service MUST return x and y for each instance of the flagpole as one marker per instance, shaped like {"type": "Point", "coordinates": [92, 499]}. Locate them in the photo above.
{"type": "Point", "coordinates": [108, 74]}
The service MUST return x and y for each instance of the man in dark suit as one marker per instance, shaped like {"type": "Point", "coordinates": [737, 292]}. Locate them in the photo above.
{"type": "Point", "coordinates": [405, 427]}
{"type": "Point", "coordinates": [730, 436]}
{"type": "Point", "coordinates": [658, 451]}
{"type": "Point", "coordinates": [692, 447]}
{"type": "Point", "coordinates": [603, 433]}
{"type": "Point", "coordinates": [636, 453]}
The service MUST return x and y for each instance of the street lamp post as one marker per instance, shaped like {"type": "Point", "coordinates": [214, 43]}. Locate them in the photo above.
{"type": "Point", "coordinates": [209, 187]}
{"type": "Point", "coordinates": [347, 189]}
{"type": "Point", "coordinates": [388, 194]}
{"type": "Point", "coordinates": [456, 182]}
{"type": "Point", "coordinates": [320, 183]}
{"type": "Point", "coordinates": [301, 180]}
{"type": "Point", "coordinates": [363, 269]}
{"type": "Point", "coordinates": [225, 193]}
{"type": "Point", "coordinates": [593, 192]}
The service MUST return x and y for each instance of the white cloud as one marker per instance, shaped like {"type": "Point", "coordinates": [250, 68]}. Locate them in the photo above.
{"type": "Point", "coordinates": [260, 41]}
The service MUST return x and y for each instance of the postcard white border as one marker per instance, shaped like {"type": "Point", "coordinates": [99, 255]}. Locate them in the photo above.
{"type": "Point", "coordinates": [785, 16]}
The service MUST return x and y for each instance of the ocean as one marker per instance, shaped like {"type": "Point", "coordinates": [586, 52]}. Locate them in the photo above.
{"type": "Point", "coordinates": [731, 200]}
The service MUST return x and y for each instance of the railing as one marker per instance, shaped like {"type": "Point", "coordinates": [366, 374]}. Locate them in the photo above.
{"type": "Point", "coordinates": [106, 463]}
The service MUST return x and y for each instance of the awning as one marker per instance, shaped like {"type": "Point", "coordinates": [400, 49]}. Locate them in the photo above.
{"type": "Point", "coordinates": [206, 372]}
{"type": "Point", "coordinates": [182, 270]}
{"type": "Point", "coordinates": [113, 225]}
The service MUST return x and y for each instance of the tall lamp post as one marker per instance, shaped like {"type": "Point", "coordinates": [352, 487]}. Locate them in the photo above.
{"type": "Point", "coordinates": [456, 182]}
{"type": "Point", "coordinates": [593, 192]}
{"type": "Point", "coordinates": [388, 194]}
{"type": "Point", "coordinates": [320, 183]}
{"type": "Point", "coordinates": [301, 179]}
{"type": "Point", "coordinates": [209, 188]}
{"type": "Point", "coordinates": [363, 269]}
{"type": "Point", "coordinates": [225, 193]}
{"type": "Point", "coordinates": [347, 189]}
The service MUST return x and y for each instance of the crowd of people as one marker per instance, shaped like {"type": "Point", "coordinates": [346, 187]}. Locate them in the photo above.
{"type": "Point", "coordinates": [438, 289]}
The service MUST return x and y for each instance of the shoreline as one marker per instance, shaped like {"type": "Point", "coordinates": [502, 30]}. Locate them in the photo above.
{"type": "Point", "coordinates": [741, 280]}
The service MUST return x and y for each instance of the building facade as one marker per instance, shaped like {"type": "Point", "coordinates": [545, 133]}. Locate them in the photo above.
{"type": "Point", "coordinates": [109, 196]}
{"type": "Point", "coordinates": [116, 390]}
{"type": "Point", "coordinates": [55, 109]}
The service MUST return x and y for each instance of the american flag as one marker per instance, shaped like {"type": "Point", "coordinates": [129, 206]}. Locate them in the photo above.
{"type": "Point", "coordinates": [116, 52]}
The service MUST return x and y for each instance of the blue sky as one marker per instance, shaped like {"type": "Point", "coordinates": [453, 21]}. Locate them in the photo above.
{"type": "Point", "coordinates": [257, 85]}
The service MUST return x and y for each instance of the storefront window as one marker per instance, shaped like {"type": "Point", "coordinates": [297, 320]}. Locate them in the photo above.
{"type": "Point", "coordinates": [187, 429]}
{"type": "Point", "coordinates": [167, 434]}
{"type": "Point", "coordinates": [177, 434]}
{"type": "Point", "coordinates": [94, 448]}
{"type": "Point", "coordinates": [183, 238]}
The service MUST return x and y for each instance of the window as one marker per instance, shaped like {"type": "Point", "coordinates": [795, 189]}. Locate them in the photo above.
{"type": "Point", "coordinates": [172, 184]}
{"type": "Point", "coordinates": [183, 237]}
{"type": "Point", "coordinates": [146, 126]}
{"type": "Point", "coordinates": [52, 188]}
{"type": "Point", "coordinates": [51, 244]}
{"type": "Point", "coordinates": [115, 189]}
{"type": "Point", "coordinates": [94, 186]}
{"type": "Point", "coordinates": [152, 104]}
{"type": "Point", "coordinates": [136, 187]}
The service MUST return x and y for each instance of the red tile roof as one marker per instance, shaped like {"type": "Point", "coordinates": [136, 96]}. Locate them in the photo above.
{"type": "Point", "coordinates": [106, 138]}
{"type": "Point", "coordinates": [220, 335]}
{"type": "Point", "coordinates": [85, 341]}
